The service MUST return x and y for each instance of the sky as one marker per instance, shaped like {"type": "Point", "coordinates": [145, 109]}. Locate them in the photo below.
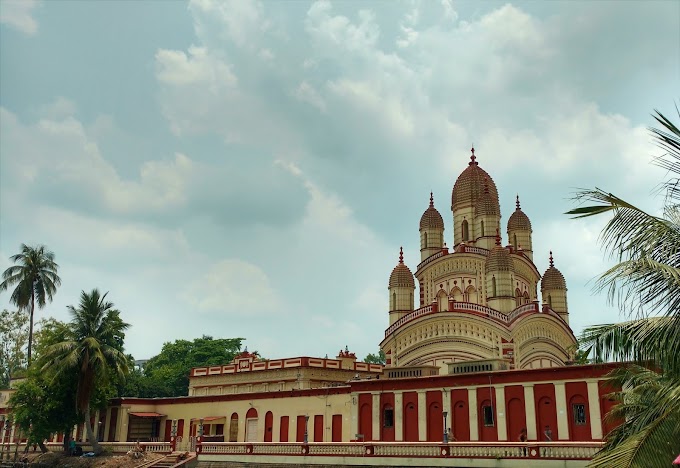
{"type": "Point", "coordinates": [251, 168]}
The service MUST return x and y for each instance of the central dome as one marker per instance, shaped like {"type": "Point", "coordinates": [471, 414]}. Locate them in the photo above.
{"type": "Point", "coordinates": [470, 186]}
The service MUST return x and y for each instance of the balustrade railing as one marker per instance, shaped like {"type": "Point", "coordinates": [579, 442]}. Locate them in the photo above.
{"type": "Point", "coordinates": [501, 450]}
{"type": "Point", "coordinates": [466, 307]}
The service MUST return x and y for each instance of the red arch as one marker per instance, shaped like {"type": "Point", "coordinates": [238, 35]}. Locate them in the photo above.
{"type": "Point", "coordinates": [516, 418]}
{"type": "Point", "coordinates": [268, 426]}
{"type": "Point", "coordinates": [251, 414]}
{"type": "Point", "coordinates": [410, 416]}
{"type": "Point", "coordinates": [365, 421]}
{"type": "Point", "coordinates": [435, 423]}
{"type": "Point", "coordinates": [579, 432]}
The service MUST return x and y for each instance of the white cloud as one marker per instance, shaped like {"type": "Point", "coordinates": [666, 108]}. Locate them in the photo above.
{"type": "Point", "coordinates": [234, 288]}
{"type": "Point", "coordinates": [18, 15]}
{"type": "Point", "coordinates": [61, 153]}
{"type": "Point", "coordinates": [196, 67]}
{"type": "Point", "coordinates": [306, 93]}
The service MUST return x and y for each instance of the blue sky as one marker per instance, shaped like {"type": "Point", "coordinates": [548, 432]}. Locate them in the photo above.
{"type": "Point", "coordinates": [251, 168]}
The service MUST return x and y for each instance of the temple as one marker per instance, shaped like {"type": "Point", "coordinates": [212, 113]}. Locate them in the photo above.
{"type": "Point", "coordinates": [475, 355]}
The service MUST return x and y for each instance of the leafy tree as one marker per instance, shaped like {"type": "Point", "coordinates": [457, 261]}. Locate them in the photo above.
{"type": "Point", "coordinates": [645, 282]}
{"type": "Point", "coordinates": [376, 358]}
{"type": "Point", "coordinates": [36, 280]}
{"type": "Point", "coordinates": [13, 337]}
{"type": "Point", "coordinates": [93, 348]}
{"type": "Point", "coordinates": [167, 374]}
{"type": "Point", "coordinates": [42, 406]}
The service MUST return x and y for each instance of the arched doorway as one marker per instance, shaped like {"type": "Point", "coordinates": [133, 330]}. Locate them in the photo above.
{"type": "Point", "coordinates": [435, 423]}
{"type": "Point", "coordinates": [268, 426]}
{"type": "Point", "coordinates": [410, 417]}
{"type": "Point", "coordinates": [516, 419]}
{"type": "Point", "coordinates": [461, 421]}
{"type": "Point", "coordinates": [579, 426]}
{"type": "Point", "coordinates": [365, 421]}
{"type": "Point", "coordinates": [233, 428]}
{"type": "Point", "coordinates": [547, 419]}
{"type": "Point", "coordinates": [251, 425]}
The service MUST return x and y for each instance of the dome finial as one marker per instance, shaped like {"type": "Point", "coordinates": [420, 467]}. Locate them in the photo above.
{"type": "Point", "coordinates": [551, 260]}
{"type": "Point", "coordinates": [401, 255]}
{"type": "Point", "coordinates": [472, 156]}
{"type": "Point", "coordinates": [517, 202]}
{"type": "Point", "coordinates": [431, 200]}
{"type": "Point", "coordinates": [498, 236]}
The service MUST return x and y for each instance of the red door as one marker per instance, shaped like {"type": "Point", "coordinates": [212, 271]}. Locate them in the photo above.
{"type": "Point", "coordinates": [283, 430]}
{"type": "Point", "coordinates": [318, 428]}
{"type": "Point", "coordinates": [336, 428]}
{"type": "Point", "coordinates": [410, 416]}
{"type": "Point", "coordinates": [365, 421]}
{"type": "Point", "coordinates": [435, 422]}
{"type": "Point", "coordinates": [180, 427]}
{"type": "Point", "coordinates": [268, 426]}
{"type": "Point", "coordinates": [168, 430]}
{"type": "Point", "coordinates": [516, 419]}
{"type": "Point", "coordinates": [300, 435]}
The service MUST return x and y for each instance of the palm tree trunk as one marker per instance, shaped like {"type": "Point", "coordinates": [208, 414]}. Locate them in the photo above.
{"type": "Point", "coordinates": [30, 330]}
{"type": "Point", "coordinates": [96, 448]}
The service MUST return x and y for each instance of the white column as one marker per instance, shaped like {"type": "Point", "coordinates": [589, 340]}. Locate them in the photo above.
{"type": "Point", "coordinates": [446, 406]}
{"type": "Point", "coordinates": [375, 423]}
{"type": "Point", "coordinates": [501, 425]}
{"type": "Point", "coordinates": [354, 422]}
{"type": "Point", "coordinates": [107, 424]}
{"type": "Point", "coordinates": [562, 415]}
{"type": "Point", "coordinates": [276, 429]}
{"type": "Point", "coordinates": [422, 416]}
{"type": "Point", "coordinates": [472, 409]}
{"type": "Point", "coordinates": [594, 410]}
{"type": "Point", "coordinates": [530, 411]}
{"type": "Point", "coordinates": [398, 416]}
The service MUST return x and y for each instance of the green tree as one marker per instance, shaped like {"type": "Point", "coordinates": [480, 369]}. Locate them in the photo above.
{"type": "Point", "coordinates": [36, 280]}
{"type": "Point", "coordinates": [167, 374]}
{"type": "Point", "coordinates": [645, 282]}
{"type": "Point", "coordinates": [376, 358]}
{"type": "Point", "coordinates": [13, 337]}
{"type": "Point", "coordinates": [93, 347]}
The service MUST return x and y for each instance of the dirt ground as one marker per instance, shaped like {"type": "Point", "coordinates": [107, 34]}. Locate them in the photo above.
{"type": "Point", "coordinates": [105, 460]}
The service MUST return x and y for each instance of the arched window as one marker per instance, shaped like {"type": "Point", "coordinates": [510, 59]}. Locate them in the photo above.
{"type": "Point", "coordinates": [425, 240]}
{"type": "Point", "coordinates": [514, 236]}
{"type": "Point", "coordinates": [394, 301]}
{"type": "Point", "coordinates": [526, 297]}
{"type": "Point", "coordinates": [493, 286]}
{"type": "Point", "coordinates": [482, 228]}
{"type": "Point", "coordinates": [466, 235]}
{"type": "Point", "coordinates": [549, 301]}
{"type": "Point", "coordinates": [518, 297]}
{"type": "Point", "coordinates": [410, 300]}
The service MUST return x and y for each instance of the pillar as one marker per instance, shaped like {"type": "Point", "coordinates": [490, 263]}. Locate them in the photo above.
{"type": "Point", "coordinates": [398, 416]}
{"type": "Point", "coordinates": [446, 406]}
{"type": "Point", "coordinates": [375, 423]}
{"type": "Point", "coordinates": [354, 422]}
{"type": "Point", "coordinates": [472, 408]}
{"type": "Point", "coordinates": [562, 415]}
{"type": "Point", "coordinates": [501, 425]}
{"type": "Point", "coordinates": [594, 410]}
{"type": "Point", "coordinates": [422, 416]}
{"type": "Point", "coordinates": [107, 423]}
{"type": "Point", "coordinates": [530, 411]}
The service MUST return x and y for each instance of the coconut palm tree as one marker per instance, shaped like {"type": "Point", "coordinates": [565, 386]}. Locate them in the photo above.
{"type": "Point", "coordinates": [94, 347]}
{"type": "Point", "coordinates": [645, 282]}
{"type": "Point", "coordinates": [36, 280]}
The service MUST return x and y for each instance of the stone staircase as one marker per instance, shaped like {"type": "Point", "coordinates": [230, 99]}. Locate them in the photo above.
{"type": "Point", "coordinates": [175, 459]}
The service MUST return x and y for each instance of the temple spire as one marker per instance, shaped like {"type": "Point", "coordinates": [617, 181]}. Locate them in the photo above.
{"type": "Point", "coordinates": [517, 202]}
{"type": "Point", "coordinates": [431, 200]}
{"type": "Point", "coordinates": [401, 255]}
{"type": "Point", "coordinates": [498, 236]}
{"type": "Point", "coordinates": [552, 264]}
{"type": "Point", "coordinates": [473, 158]}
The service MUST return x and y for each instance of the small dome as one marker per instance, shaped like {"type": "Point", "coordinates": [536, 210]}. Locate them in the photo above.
{"type": "Point", "coordinates": [486, 205]}
{"type": "Point", "coordinates": [499, 258]}
{"type": "Point", "coordinates": [470, 185]}
{"type": "Point", "coordinates": [518, 220]}
{"type": "Point", "coordinates": [431, 219]}
{"type": "Point", "coordinates": [553, 278]}
{"type": "Point", "coordinates": [401, 275]}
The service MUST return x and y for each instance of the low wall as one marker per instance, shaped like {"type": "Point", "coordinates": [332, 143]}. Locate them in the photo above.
{"type": "Point", "coordinates": [466, 454]}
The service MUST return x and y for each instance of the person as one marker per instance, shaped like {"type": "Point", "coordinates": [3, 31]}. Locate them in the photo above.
{"type": "Point", "coordinates": [523, 435]}
{"type": "Point", "coordinates": [449, 435]}
{"type": "Point", "coordinates": [548, 434]}
{"type": "Point", "coordinates": [72, 447]}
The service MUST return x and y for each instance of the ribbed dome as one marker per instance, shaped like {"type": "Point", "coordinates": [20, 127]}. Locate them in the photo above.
{"type": "Point", "coordinates": [470, 185]}
{"type": "Point", "coordinates": [431, 219]}
{"type": "Point", "coordinates": [486, 205]}
{"type": "Point", "coordinates": [401, 275]}
{"type": "Point", "coordinates": [518, 220]}
{"type": "Point", "coordinates": [553, 278]}
{"type": "Point", "coordinates": [499, 258]}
